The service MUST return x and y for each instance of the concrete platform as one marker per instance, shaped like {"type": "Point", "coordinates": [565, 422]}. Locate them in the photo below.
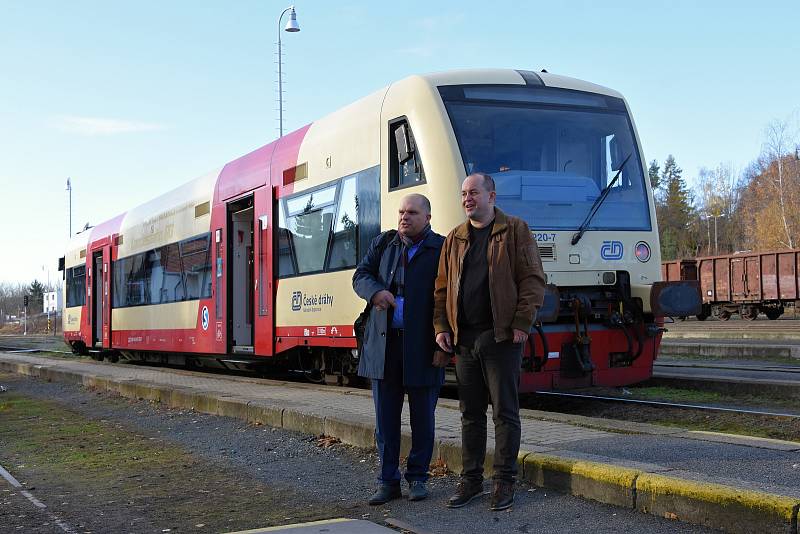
{"type": "Point", "coordinates": [730, 482]}
{"type": "Point", "coordinates": [726, 348]}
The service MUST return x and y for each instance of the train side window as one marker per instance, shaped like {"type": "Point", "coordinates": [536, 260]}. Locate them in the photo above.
{"type": "Point", "coordinates": [405, 164]}
{"type": "Point", "coordinates": [171, 273]}
{"type": "Point", "coordinates": [196, 266]}
{"type": "Point", "coordinates": [308, 224]}
{"type": "Point", "coordinates": [344, 243]}
{"type": "Point", "coordinates": [286, 260]}
{"type": "Point", "coordinates": [76, 286]}
{"type": "Point", "coordinates": [369, 208]}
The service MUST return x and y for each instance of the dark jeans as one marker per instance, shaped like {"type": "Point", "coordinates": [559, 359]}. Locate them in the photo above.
{"type": "Point", "coordinates": [489, 370]}
{"type": "Point", "coordinates": [388, 395]}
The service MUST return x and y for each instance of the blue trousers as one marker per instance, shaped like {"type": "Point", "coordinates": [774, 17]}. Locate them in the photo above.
{"type": "Point", "coordinates": [388, 394]}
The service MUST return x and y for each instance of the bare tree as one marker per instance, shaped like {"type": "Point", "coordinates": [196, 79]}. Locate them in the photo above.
{"type": "Point", "coordinates": [777, 147]}
{"type": "Point", "coordinates": [718, 195]}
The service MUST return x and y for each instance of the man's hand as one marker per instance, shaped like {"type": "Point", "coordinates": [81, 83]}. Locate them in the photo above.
{"type": "Point", "coordinates": [382, 299]}
{"type": "Point", "coordinates": [443, 340]}
{"type": "Point", "coordinates": [441, 359]}
{"type": "Point", "coordinates": [520, 336]}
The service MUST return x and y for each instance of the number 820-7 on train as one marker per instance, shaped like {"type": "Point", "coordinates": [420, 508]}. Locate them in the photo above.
{"type": "Point", "coordinates": [251, 264]}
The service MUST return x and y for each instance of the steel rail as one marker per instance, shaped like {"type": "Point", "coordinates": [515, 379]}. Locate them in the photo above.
{"type": "Point", "coordinates": [14, 350]}
{"type": "Point", "coordinates": [765, 369]}
{"type": "Point", "coordinates": [669, 404]}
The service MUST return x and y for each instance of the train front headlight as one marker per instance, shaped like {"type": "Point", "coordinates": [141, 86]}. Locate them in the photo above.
{"type": "Point", "coordinates": [642, 251]}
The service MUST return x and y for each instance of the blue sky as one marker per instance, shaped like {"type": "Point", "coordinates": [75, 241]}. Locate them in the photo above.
{"type": "Point", "coordinates": [132, 99]}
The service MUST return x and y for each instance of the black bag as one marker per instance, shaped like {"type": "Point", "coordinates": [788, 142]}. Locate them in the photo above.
{"type": "Point", "coordinates": [360, 324]}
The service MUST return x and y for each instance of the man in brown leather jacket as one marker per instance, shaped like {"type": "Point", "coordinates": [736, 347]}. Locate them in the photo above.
{"type": "Point", "coordinates": [489, 286]}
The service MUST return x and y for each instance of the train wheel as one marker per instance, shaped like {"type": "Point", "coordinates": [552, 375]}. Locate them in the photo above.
{"type": "Point", "coordinates": [724, 315]}
{"type": "Point", "coordinates": [773, 314]}
{"type": "Point", "coordinates": [701, 316]}
{"type": "Point", "coordinates": [749, 313]}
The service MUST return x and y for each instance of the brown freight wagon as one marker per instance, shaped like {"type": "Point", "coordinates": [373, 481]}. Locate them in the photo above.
{"type": "Point", "coordinates": [745, 283]}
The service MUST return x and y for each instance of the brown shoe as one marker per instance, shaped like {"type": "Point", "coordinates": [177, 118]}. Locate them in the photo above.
{"type": "Point", "coordinates": [466, 490]}
{"type": "Point", "coordinates": [502, 495]}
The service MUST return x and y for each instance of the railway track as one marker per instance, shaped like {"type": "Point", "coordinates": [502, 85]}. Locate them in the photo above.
{"type": "Point", "coordinates": [760, 330]}
{"type": "Point", "coordinates": [727, 366]}
{"type": "Point", "coordinates": [32, 350]}
{"type": "Point", "coordinates": [642, 402]}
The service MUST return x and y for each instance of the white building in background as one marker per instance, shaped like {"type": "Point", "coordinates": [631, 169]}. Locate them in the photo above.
{"type": "Point", "coordinates": [52, 301]}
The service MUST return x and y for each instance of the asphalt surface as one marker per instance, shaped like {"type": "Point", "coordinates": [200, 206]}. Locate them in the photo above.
{"type": "Point", "coordinates": [341, 473]}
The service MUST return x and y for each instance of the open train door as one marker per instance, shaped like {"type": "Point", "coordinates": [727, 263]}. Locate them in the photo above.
{"type": "Point", "coordinates": [240, 275]}
{"type": "Point", "coordinates": [107, 297]}
{"type": "Point", "coordinates": [263, 286]}
{"type": "Point", "coordinates": [99, 297]}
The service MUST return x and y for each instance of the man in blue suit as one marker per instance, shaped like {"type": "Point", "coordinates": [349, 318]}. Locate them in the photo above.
{"type": "Point", "coordinates": [397, 277]}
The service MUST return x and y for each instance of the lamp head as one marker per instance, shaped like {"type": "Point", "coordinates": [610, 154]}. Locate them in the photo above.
{"type": "Point", "coordinates": [292, 25]}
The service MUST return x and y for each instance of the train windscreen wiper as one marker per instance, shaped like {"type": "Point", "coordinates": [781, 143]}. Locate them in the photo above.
{"type": "Point", "coordinates": [598, 202]}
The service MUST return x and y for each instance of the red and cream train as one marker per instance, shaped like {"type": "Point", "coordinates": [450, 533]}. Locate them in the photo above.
{"type": "Point", "coordinates": [252, 263]}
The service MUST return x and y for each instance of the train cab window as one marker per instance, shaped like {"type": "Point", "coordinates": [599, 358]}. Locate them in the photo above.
{"type": "Point", "coordinates": [405, 164]}
{"type": "Point", "coordinates": [76, 286]}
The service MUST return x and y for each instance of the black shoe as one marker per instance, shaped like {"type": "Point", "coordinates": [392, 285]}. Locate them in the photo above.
{"type": "Point", "coordinates": [417, 490]}
{"type": "Point", "coordinates": [385, 493]}
{"type": "Point", "coordinates": [502, 495]}
{"type": "Point", "coordinates": [465, 491]}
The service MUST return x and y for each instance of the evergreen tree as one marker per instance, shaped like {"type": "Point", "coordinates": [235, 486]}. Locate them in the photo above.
{"type": "Point", "coordinates": [675, 213]}
{"type": "Point", "coordinates": [36, 296]}
{"type": "Point", "coordinates": [655, 179]}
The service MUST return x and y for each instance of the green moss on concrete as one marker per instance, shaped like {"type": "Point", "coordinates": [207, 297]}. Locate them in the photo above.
{"type": "Point", "coordinates": [723, 496]}
{"type": "Point", "coordinates": [603, 473]}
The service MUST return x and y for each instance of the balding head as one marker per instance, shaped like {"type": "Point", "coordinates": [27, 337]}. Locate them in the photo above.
{"type": "Point", "coordinates": [477, 198]}
{"type": "Point", "coordinates": [420, 200]}
{"type": "Point", "coordinates": [414, 214]}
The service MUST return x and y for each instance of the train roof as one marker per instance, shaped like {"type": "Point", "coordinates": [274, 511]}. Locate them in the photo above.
{"type": "Point", "coordinates": [514, 77]}
{"type": "Point", "coordinates": [195, 192]}
{"type": "Point", "coordinates": [75, 252]}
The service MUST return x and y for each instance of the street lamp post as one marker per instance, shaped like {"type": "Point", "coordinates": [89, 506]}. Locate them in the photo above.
{"type": "Point", "coordinates": [716, 247]}
{"type": "Point", "coordinates": [291, 26]}
{"type": "Point", "coordinates": [69, 192]}
{"type": "Point", "coordinates": [707, 217]}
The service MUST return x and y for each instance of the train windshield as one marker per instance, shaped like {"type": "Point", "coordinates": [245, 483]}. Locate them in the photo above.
{"type": "Point", "coordinates": [551, 153]}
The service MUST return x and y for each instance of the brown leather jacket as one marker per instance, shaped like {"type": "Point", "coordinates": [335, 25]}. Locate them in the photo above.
{"type": "Point", "coordinates": [516, 277]}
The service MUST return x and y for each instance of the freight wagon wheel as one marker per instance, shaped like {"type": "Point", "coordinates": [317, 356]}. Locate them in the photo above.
{"type": "Point", "coordinates": [749, 313]}
{"type": "Point", "coordinates": [724, 315]}
{"type": "Point", "coordinates": [773, 314]}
